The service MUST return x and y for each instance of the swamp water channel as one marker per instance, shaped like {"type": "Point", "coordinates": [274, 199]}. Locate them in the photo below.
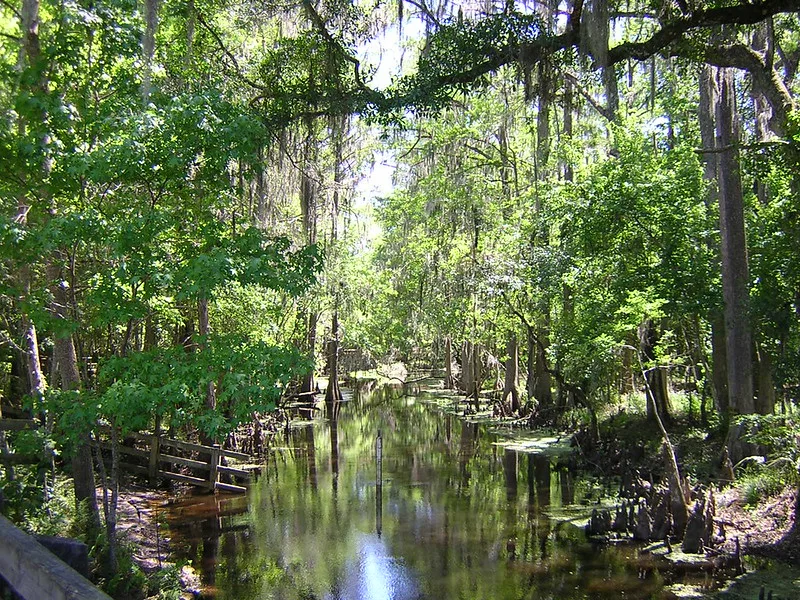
{"type": "Point", "coordinates": [459, 513]}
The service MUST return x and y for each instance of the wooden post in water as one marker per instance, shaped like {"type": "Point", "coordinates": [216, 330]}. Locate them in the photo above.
{"type": "Point", "coordinates": [379, 483]}
{"type": "Point", "coordinates": [213, 466]}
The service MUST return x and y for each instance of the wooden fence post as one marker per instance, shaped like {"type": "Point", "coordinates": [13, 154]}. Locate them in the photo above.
{"type": "Point", "coordinates": [213, 466]}
{"type": "Point", "coordinates": [155, 449]}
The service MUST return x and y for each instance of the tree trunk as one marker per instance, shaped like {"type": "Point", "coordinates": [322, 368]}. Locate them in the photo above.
{"type": "Point", "coordinates": [64, 348]}
{"type": "Point", "coordinates": [512, 373]}
{"type": "Point", "coordinates": [449, 381]}
{"type": "Point", "coordinates": [66, 358]}
{"type": "Point", "coordinates": [191, 22]}
{"type": "Point", "coordinates": [211, 389]}
{"type": "Point", "coordinates": [533, 358]}
{"type": "Point", "coordinates": [655, 376]}
{"type": "Point", "coordinates": [569, 169]}
{"type": "Point", "coordinates": [30, 53]}
{"type": "Point", "coordinates": [679, 493]}
{"type": "Point", "coordinates": [311, 343]}
{"type": "Point", "coordinates": [612, 91]}
{"type": "Point", "coordinates": [735, 275]}
{"type": "Point", "coordinates": [149, 45]}
{"type": "Point", "coordinates": [762, 43]}
{"type": "Point", "coordinates": [261, 217]}
{"type": "Point", "coordinates": [541, 386]}
{"type": "Point", "coordinates": [308, 206]}
{"type": "Point", "coordinates": [36, 380]}
{"type": "Point", "coordinates": [468, 368]}
{"type": "Point", "coordinates": [333, 394]}
{"type": "Point", "coordinates": [543, 382]}
{"type": "Point", "coordinates": [706, 117]}
{"type": "Point", "coordinates": [595, 32]}
{"type": "Point", "coordinates": [111, 513]}
{"type": "Point", "coordinates": [765, 403]}
{"type": "Point", "coordinates": [477, 373]}
{"type": "Point", "coordinates": [719, 364]}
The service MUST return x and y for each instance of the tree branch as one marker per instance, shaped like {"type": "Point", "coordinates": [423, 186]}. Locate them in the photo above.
{"type": "Point", "coordinates": [425, 11]}
{"type": "Point", "coordinates": [741, 14]}
{"type": "Point", "coordinates": [319, 24]}
{"type": "Point", "coordinates": [608, 115]}
{"type": "Point", "coordinates": [12, 8]}
{"type": "Point", "coordinates": [765, 79]}
{"type": "Point", "coordinates": [228, 53]}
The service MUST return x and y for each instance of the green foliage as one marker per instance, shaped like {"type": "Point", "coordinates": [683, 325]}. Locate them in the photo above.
{"type": "Point", "coordinates": [171, 384]}
{"type": "Point", "coordinates": [773, 234]}
{"type": "Point", "coordinates": [34, 501]}
{"type": "Point", "coordinates": [764, 476]}
{"type": "Point", "coordinates": [460, 55]}
{"type": "Point", "coordinates": [165, 583]}
{"type": "Point", "coordinates": [129, 579]}
{"type": "Point", "coordinates": [635, 232]}
{"type": "Point", "coordinates": [777, 434]}
{"type": "Point", "coordinates": [76, 413]}
{"type": "Point", "coordinates": [756, 485]}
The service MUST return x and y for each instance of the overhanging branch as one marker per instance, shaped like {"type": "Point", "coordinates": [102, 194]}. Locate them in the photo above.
{"type": "Point", "coordinates": [239, 73]}
{"type": "Point", "coordinates": [766, 80]}
{"type": "Point", "coordinates": [321, 28]}
{"type": "Point", "coordinates": [740, 14]}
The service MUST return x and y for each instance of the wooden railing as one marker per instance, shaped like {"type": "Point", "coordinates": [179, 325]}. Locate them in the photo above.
{"type": "Point", "coordinates": [34, 573]}
{"type": "Point", "coordinates": [16, 424]}
{"type": "Point", "coordinates": [155, 451]}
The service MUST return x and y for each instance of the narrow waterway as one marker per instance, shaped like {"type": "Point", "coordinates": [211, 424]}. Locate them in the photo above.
{"type": "Point", "coordinates": [453, 515]}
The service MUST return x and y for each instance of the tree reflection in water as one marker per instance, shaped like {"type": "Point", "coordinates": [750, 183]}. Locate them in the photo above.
{"type": "Point", "coordinates": [458, 516]}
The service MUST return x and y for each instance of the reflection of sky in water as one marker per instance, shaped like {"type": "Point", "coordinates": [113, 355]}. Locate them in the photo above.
{"type": "Point", "coordinates": [375, 575]}
{"type": "Point", "coordinates": [460, 518]}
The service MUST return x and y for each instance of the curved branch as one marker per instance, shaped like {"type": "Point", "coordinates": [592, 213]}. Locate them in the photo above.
{"type": "Point", "coordinates": [672, 33]}
{"type": "Point", "coordinates": [765, 79]}
{"type": "Point", "coordinates": [607, 114]}
{"type": "Point", "coordinates": [319, 24]}
{"type": "Point", "coordinates": [741, 14]}
{"type": "Point", "coordinates": [422, 7]}
{"type": "Point", "coordinates": [228, 53]}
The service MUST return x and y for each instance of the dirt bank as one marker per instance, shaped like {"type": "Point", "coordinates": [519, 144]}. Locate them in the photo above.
{"type": "Point", "coordinates": [766, 529]}
{"type": "Point", "coordinates": [141, 526]}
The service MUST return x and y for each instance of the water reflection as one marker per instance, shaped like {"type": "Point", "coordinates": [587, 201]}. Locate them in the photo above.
{"type": "Point", "coordinates": [375, 575]}
{"type": "Point", "coordinates": [452, 516]}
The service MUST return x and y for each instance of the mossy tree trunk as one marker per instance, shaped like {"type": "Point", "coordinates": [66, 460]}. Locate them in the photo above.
{"type": "Point", "coordinates": [735, 272]}
{"type": "Point", "coordinates": [449, 380]}
{"type": "Point", "coordinates": [511, 387]}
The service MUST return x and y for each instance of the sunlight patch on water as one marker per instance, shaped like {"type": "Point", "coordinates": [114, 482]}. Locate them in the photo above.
{"type": "Point", "coordinates": [532, 443]}
{"type": "Point", "coordinates": [377, 575]}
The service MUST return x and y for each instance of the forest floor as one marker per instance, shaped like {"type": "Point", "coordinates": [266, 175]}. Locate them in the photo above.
{"type": "Point", "coordinates": [766, 529]}
{"type": "Point", "coordinates": [761, 518]}
{"type": "Point", "coordinates": [141, 528]}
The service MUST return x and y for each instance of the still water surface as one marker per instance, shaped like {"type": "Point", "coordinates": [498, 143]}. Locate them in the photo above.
{"type": "Point", "coordinates": [453, 516]}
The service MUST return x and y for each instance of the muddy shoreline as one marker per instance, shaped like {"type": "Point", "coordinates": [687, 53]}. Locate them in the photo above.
{"type": "Point", "coordinates": [142, 527]}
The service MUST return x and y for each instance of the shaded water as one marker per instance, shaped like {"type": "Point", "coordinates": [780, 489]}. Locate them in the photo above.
{"type": "Point", "coordinates": [454, 516]}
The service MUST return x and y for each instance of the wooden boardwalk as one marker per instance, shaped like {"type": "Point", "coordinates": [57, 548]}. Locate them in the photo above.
{"type": "Point", "coordinates": [158, 451]}
{"type": "Point", "coordinates": [157, 457]}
